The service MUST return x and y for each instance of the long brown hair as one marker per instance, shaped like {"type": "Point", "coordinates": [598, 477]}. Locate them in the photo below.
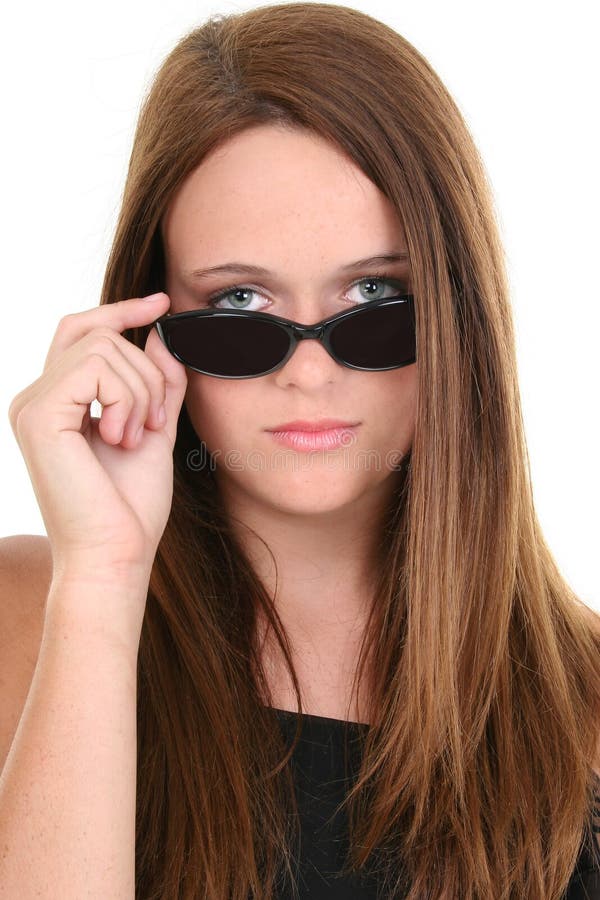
{"type": "Point", "coordinates": [477, 771]}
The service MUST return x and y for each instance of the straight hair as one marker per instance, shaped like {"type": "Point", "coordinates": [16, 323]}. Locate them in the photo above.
{"type": "Point", "coordinates": [477, 771]}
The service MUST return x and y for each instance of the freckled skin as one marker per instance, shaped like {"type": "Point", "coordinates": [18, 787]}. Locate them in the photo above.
{"type": "Point", "coordinates": [294, 203]}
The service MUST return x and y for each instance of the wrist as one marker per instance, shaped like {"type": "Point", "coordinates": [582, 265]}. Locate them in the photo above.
{"type": "Point", "coordinates": [96, 608]}
{"type": "Point", "coordinates": [90, 572]}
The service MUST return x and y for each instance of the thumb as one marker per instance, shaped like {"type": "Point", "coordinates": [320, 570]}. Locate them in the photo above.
{"type": "Point", "coordinates": [175, 380]}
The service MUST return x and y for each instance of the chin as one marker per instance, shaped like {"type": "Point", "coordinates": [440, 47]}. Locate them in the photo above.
{"type": "Point", "coordinates": [314, 492]}
{"type": "Point", "coordinates": [307, 506]}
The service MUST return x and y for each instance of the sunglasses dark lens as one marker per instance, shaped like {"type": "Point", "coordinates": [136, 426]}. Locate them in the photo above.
{"type": "Point", "coordinates": [228, 345]}
{"type": "Point", "coordinates": [377, 338]}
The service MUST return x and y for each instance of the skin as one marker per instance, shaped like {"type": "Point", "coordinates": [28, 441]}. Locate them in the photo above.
{"type": "Point", "coordinates": [293, 203]}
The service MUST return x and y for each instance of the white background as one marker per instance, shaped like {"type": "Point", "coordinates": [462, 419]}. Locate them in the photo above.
{"type": "Point", "coordinates": [525, 76]}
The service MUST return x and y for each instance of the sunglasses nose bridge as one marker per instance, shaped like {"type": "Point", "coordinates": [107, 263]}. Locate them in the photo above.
{"type": "Point", "coordinates": [308, 332]}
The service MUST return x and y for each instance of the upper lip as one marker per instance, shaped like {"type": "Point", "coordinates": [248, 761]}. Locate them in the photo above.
{"type": "Point", "coordinates": [318, 425]}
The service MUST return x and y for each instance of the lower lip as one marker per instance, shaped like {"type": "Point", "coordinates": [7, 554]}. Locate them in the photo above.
{"type": "Point", "coordinates": [329, 439]}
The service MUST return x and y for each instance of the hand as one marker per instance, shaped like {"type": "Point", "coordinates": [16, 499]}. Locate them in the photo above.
{"type": "Point", "coordinates": [104, 485]}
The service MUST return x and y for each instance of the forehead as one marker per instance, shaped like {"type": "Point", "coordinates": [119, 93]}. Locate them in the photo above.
{"type": "Point", "coordinates": [274, 191]}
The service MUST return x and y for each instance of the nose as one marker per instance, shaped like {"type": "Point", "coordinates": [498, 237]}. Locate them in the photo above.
{"type": "Point", "coordinates": [310, 364]}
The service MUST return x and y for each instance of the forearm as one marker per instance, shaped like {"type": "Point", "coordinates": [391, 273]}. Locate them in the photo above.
{"type": "Point", "coordinates": [68, 787]}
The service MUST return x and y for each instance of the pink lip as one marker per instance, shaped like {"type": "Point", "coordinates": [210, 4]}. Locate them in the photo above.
{"type": "Point", "coordinates": [309, 439]}
{"type": "Point", "coordinates": [319, 425]}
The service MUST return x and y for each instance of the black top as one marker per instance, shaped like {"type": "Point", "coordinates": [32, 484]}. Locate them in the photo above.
{"type": "Point", "coordinates": [321, 783]}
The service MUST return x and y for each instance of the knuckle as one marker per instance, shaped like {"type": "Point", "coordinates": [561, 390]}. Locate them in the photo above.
{"type": "Point", "coordinates": [105, 331]}
{"type": "Point", "coordinates": [95, 359]}
{"type": "Point", "coordinates": [158, 383]}
{"type": "Point", "coordinates": [102, 340]}
{"type": "Point", "coordinates": [162, 380]}
{"type": "Point", "coordinates": [141, 387]}
{"type": "Point", "coordinates": [65, 327]}
{"type": "Point", "coordinates": [129, 397]}
{"type": "Point", "coordinates": [21, 417]}
{"type": "Point", "coordinates": [14, 410]}
{"type": "Point", "coordinates": [65, 321]}
{"type": "Point", "coordinates": [125, 403]}
{"type": "Point", "coordinates": [144, 397]}
{"type": "Point", "coordinates": [17, 408]}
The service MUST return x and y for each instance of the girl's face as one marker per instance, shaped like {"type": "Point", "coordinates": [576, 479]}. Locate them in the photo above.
{"type": "Point", "coordinates": [293, 204]}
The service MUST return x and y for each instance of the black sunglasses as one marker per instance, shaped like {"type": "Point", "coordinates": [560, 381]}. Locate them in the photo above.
{"type": "Point", "coordinates": [239, 343]}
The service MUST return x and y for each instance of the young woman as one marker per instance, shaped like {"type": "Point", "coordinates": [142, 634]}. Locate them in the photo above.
{"type": "Point", "coordinates": [300, 627]}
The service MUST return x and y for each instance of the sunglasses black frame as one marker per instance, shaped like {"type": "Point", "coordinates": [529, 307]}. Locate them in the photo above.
{"type": "Point", "coordinates": [295, 331]}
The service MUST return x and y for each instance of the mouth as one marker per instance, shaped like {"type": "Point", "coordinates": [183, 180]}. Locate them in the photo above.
{"type": "Point", "coordinates": [315, 438]}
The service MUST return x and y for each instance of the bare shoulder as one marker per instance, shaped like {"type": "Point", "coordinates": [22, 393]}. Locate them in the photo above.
{"type": "Point", "coordinates": [25, 576]}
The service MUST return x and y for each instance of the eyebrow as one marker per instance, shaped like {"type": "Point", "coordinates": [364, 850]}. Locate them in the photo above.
{"type": "Point", "coordinates": [235, 267]}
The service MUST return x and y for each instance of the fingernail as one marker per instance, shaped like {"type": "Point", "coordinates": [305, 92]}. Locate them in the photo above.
{"type": "Point", "coordinates": [154, 296]}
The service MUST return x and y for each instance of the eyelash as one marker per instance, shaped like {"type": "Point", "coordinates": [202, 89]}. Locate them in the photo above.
{"type": "Point", "coordinates": [398, 283]}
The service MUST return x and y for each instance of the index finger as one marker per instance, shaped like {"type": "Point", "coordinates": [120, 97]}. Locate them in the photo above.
{"type": "Point", "coordinates": [120, 315]}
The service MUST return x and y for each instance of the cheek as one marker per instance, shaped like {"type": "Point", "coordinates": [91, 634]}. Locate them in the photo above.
{"type": "Point", "coordinates": [394, 409]}
{"type": "Point", "coordinates": [216, 408]}
{"type": "Point", "coordinates": [410, 394]}
{"type": "Point", "coordinates": [204, 405]}
{"type": "Point", "coordinates": [398, 406]}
